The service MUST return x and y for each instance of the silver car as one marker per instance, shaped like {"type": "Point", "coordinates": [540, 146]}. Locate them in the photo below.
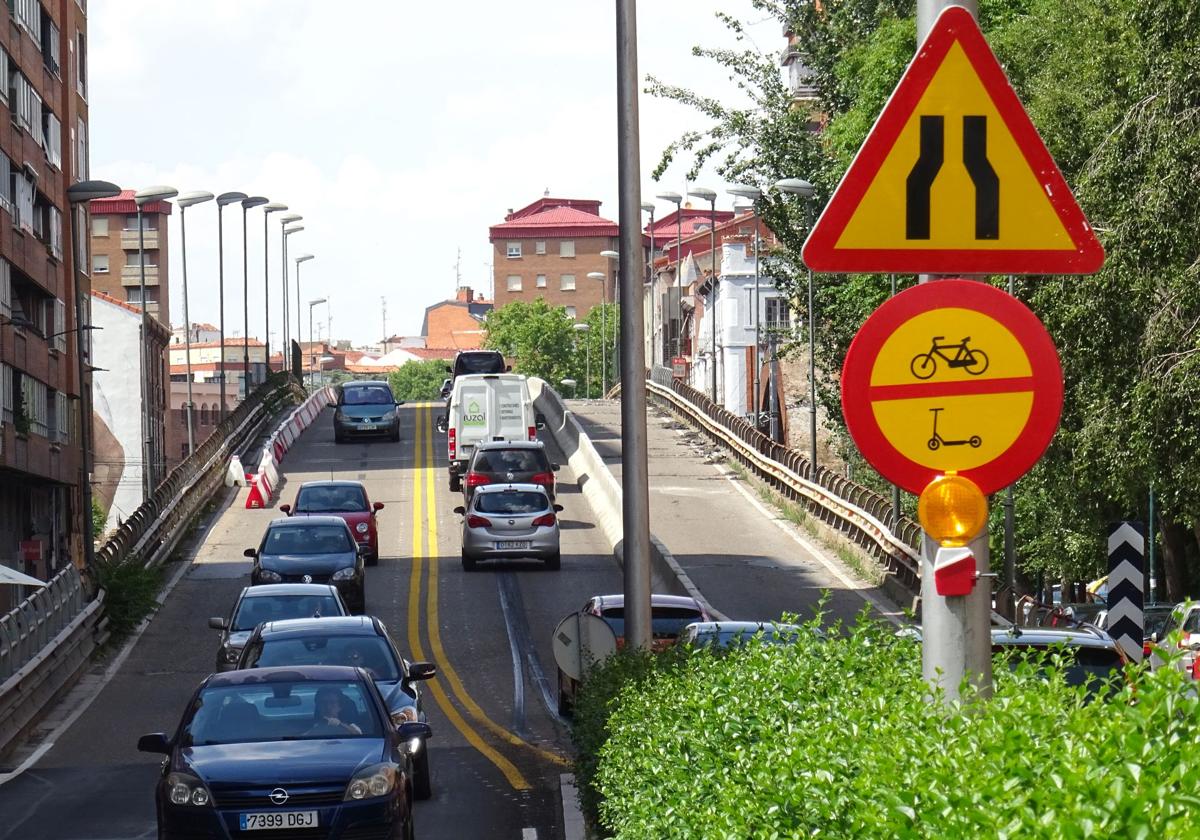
{"type": "Point", "coordinates": [510, 521]}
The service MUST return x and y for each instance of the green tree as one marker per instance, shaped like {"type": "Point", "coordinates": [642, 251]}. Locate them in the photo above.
{"type": "Point", "coordinates": [539, 338]}
{"type": "Point", "coordinates": [418, 381]}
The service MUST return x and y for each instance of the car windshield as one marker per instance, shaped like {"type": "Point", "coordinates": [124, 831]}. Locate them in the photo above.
{"type": "Point", "coordinates": [336, 497]}
{"type": "Point", "coordinates": [478, 363]}
{"type": "Point", "coordinates": [1081, 665]}
{"type": "Point", "coordinates": [665, 622]}
{"type": "Point", "coordinates": [739, 637]}
{"type": "Point", "coordinates": [509, 460]}
{"type": "Point", "coordinates": [370, 652]}
{"type": "Point", "coordinates": [512, 502]}
{"type": "Point", "coordinates": [281, 711]}
{"type": "Point", "coordinates": [310, 539]}
{"type": "Point", "coordinates": [367, 395]}
{"type": "Point", "coordinates": [254, 610]}
{"type": "Point", "coordinates": [1155, 621]}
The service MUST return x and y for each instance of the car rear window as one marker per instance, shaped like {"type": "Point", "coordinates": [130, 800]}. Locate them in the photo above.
{"type": "Point", "coordinates": [370, 652]}
{"type": "Point", "coordinates": [313, 539]}
{"type": "Point", "coordinates": [665, 622]}
{"type": "Point", "coordinates": [278, 710]}
{"type": "Point", "coordinates": [468, 363]}
{"type": "Point", "coordinates": [344, 498]}
{"type": "Point", "coordinates": [516, 502]}
{"type": "Point", "coordinates": [367, 395]}
{"type": "Point", "coordinates": [1084, 664]}
{"type": "Point", "coordinates": [510, 460]}
{"type": "Point", "coordinates": [254, 610]}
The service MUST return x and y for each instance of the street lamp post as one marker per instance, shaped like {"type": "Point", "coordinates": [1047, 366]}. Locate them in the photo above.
{"type": "Point", "coordinates": [141, 198]}
{"type": "Point", "coordinates": [312, 356]}
{"type": "Point", "coordinates": [587, 354]}
{"type": "Point", "coordinates": [615, 257]}
{"type": "Point", "coordinates": [284, 222]}
{"type": "Point", "coordinates": [300, 335]}
{"type": "Point", "coordinates": [754, 194]}
{"type": "Point", "coordinates": [268, 209]}
{"type": "Point", "coordinates": [247, 203]}
{"type": "Point", "coordinates": [185, 201]}
{"type": "Point", "coordinates": [711, 198]}
{"type": "Point", "coordinates": [647, 207]}
{"type": "Point", "coordinates": [77, 194]}
{"type": "Point", "coordinates": [800, 187]}
{"type": "Point", "coordinates": [222, 200]}
{"type": "Point", "coordinates": [603, 278]}
{"type": "Point", "coordinates": [676, 199]}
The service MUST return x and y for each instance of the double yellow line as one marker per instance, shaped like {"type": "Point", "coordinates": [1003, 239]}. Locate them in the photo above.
{"type": "Point", "coordinates": [425, 548]}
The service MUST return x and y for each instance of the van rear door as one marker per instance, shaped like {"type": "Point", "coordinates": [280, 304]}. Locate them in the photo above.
{"type": "Point", "coordinates": [511, 399]}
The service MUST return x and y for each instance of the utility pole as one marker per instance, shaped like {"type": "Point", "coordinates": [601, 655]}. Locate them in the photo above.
{"type": "Point", "coordinates": [383, 307]}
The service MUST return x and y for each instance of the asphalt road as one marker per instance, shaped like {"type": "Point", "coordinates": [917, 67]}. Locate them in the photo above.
{"type": "Point", "coordinates": [497, 752]}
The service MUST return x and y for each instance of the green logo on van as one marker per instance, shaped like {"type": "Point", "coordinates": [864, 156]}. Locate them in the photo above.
{"type": "Point", "coordinates": [474, 415]}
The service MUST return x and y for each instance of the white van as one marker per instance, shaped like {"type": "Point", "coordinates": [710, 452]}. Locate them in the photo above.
{"type": "Point", "coordinates": [486, 407]}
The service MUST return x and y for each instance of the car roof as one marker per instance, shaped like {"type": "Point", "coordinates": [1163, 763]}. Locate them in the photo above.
{"type": "Point", "coordinates": [341, 482]}
{"type": "Point", "coordinates": [363, 382]}
{"type": "Point", "coordinates": [500, 488]}
{"type": "Point", "coordinates": [1038, 636]}
{"type": "Point", "coordinates": [292, 522]}
{"type": "Point", "coordinates": [657, 599]}
{"type": "Point", "coordinates": [288, 673]}
{"type": "Point", "coordinates": [512, 444]}
{"type": "Point", "coordinates": [268, 589]}
{"type": "Point", "coordinates": [741, 626]}
{"type": "Point", "coordinates": [333, 625]}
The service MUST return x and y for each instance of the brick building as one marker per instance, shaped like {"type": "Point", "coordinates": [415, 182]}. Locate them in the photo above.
{"type": "Point", "coordinates": [43, 140]}
{"type": "Point", "coordinates": [547, 249]}
{"type": "Point", "coordinates": [116, 269]}
{"type": "Point", "coordinates": [456, 324]}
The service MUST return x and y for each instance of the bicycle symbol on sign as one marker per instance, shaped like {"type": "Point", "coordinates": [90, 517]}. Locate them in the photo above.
{"type": "Point", "coordinates": [924, 365]}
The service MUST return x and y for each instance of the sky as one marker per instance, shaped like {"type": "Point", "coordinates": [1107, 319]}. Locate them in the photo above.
{"type": "Point", "coordinates": [400, 131]}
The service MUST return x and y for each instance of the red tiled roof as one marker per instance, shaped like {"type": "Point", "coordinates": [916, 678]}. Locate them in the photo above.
{"type": "Point", "coordinates": [124, 203]}
{"type": "Point", "coordinates": [431, 352]}
{"type": "Point", "coordinates": [231, 367]}
{"type": "Point", "coordinates": [556, 221]}
{"type": "Point", "coordinates": [107, 298]}
{"type": "Point", "coordinates": [229, 342]}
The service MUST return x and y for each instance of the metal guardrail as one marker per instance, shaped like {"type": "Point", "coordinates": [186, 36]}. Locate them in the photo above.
{"type": "Point", "coordinates": [38, 619]}
{"type": "Point", "coordinates": [858, 512]}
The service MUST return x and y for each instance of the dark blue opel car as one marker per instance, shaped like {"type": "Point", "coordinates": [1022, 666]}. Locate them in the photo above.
{"type": "Point", "coordinates": [292, 752]}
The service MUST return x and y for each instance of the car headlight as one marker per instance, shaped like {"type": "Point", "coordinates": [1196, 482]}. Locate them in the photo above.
{"type": "Point", "coordinates": [389, 416]}
{"type": "Point", "coordinates": [186, 789]}
{"type": "Point", "coordinates": [344, 574]}
{"type": "Point", "coordinates": [361, 527]}
{"type": "Point", "coordinates": [232, 655]}
{"type": "Point", "coordinates": [269, 576]}
{"type": "Point", "coordinates": [376, 780]}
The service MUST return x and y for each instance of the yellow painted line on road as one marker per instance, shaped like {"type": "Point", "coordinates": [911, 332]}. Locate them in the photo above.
{"type": "Point", "coordinates": [423, 429]}
{"type": "Point", "coordinates": [435, 636]}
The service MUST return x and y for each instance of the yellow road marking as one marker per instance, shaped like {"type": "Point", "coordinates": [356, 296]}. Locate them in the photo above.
{"type": "Point", "coordinates": [421, 466]}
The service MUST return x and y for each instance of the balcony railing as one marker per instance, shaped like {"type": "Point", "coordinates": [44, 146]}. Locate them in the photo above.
{"type": "Point", "coordinates": [131, 275]}
{"type": "Point", "coordinates": [129, 239]}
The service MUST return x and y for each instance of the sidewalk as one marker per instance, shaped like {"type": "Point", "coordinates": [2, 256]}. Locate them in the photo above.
{"type": "Point", "coordinates": [749, 562]}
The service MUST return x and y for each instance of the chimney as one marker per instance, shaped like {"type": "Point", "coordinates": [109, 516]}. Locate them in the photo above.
{"type": "Point", "coordinates": [465, 294]}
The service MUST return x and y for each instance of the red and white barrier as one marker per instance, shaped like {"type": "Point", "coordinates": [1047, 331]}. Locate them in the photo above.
{"type": "Point", "coordinates": [264, 483]}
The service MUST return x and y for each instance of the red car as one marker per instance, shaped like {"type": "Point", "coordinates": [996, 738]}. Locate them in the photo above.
{"type": "Point", "coordinates": [347, 499]}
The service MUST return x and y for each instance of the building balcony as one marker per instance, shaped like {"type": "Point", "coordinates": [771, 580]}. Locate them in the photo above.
{"type": "Point", "coordinates": [129, 240]}
{"type": "Point", "coordinates": [131, 275]}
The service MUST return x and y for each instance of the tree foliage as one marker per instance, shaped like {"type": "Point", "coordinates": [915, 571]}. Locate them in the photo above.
{"type": "Point", "coordinates": [418, 380]}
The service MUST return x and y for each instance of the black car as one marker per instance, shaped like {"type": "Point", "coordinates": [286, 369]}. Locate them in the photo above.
{"type": "Point", "coordinates": [476, 361]}
{"type": "Point", "coordinates": [271, 602]}
{"type": "Point", "coordinates": [365, 408]}
{"type": "Point", "coordinates": [315, 549]}
{"type": "Point", "coordinates": [358, 641]}
{"type": "Point", "coordinates": [517, 462]}
{"type": "Point", "coordinates": [298, 751]}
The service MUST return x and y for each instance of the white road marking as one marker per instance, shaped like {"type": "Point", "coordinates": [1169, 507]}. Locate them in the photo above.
{"type": "Point", "coordinates": [518, 674]}
{"type": "Point", "coordinates": [528, 834]}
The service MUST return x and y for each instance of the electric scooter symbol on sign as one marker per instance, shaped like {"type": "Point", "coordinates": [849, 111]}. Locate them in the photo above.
{"type": "Point", "coordinates": [936, 442]}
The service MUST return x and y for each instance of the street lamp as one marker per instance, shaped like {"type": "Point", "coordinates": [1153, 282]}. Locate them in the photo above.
{"type": "Point", "coordinates": [141, 198]}
{"type": "Point", "coordinates": [185, 201]}
{"type": "Point", "coordinates": [802, 188]}
{"type": "Point", "coordinates": [569, 382]}
{"type": "Point", "coordinates": [247, 203]}
{"type": "Point", "coordinates": [268, 209]}
{"type": "Point", "coordinates": [676, 199]}
{"type": "Point", "coordinates": [754, 194]}
{"type": "Point", "coordinates": [222, 200]}
{"type": "Point", "coordinates": [284, 221]}
{"type": "Point", "coordinates": [603, 278]}
{"type": "Point", "coordinates": [587, 375]}
{"type": "Point", "coordinates": [312, 356]}
{"type": "Point", "coordinates": [711, 197]}
{"type": "Point", "coordinates": [300, 335]}
{"type": "Point", "coordinates": [647, 207]}
{"type": "Point", "coordinates": [78, 194]}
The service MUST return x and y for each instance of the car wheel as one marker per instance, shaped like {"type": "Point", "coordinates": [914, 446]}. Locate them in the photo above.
{"type": "Point", "coordinates": [338, 437]}
{"type": "Point", "coordinates": [372, 559]}
{"type": "Point", "coordinates": [554, 562]}
{"type": "Point", "coordinates": [396, 436]}
{"type": "Point", "coordinates": [422, 784]}
{"type": "Point", "coordinates": [564, 700]}
{"type": "Point", "coordinates": [468, 563]}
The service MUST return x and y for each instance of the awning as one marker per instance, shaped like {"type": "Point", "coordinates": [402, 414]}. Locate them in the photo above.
{"type": "Point", "coordinates": [11, 576]}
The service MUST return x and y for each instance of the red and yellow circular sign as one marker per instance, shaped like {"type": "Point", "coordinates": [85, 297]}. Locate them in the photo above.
{"type": "Point", "coordinates": [952, 375]}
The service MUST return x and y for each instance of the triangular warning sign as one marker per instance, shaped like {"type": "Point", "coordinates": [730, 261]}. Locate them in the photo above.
{"type": "Point", "coordinates": [953, 178]}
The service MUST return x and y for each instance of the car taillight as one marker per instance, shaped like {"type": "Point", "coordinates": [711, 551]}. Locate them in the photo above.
{"type": "Point", "coordinates": [1146, 649]}
{"type": "Point", "coordinates": [546, 520]}
{"type": "Point", "coordinates": [1196, 668]}
{"type": "Point", "coordinates": [476, 479]}
{"type": "Point", "coordinates": [545, 479]}
{"type": "Point", "coordinates": [533, 432]}
{"type": "Point", "coordinates": [474, 521]}
{"type": "Point", "coordinates": [452, 443]}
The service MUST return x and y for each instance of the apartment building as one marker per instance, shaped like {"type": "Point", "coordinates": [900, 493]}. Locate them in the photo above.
{"type": "Point", "coordinates": [547, 249]}
{"type": "Point", "coordinates": [43, 150]}
{"type": "Point", "coordinates": [119, 247]}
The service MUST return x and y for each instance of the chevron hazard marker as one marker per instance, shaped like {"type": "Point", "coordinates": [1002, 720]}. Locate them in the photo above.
{"type": "Point", "coordinates": [1126, 583]}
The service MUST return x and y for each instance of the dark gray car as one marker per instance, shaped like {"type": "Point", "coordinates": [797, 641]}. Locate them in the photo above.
{"type": "Point", "coordinates": [271, 602]}
{"type": "Point", "coordinates": [315, 549]}
{"type": "Point", "coordinates": [516, 462]}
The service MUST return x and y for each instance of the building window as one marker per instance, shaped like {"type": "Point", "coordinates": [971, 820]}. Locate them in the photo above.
{"type": "Point", "coordinates": [541, 281]}
{"type": "Point", "coordinates": [29, 17]}
{"type": "Point", "coordinates": [81, 150]}
{"type": "Point", "coordinates": [567, 283]}
{"type": "Point", "coordinates": [514, 250]}
{"type": "Point", "coordinates": [99, 226]}
{"type": "Point", "coordinates": [566, 248]}
{"type": "Point", "coordinates": [134, 259]}
{"type": "Point", "coordinates": [778, 316]}
{"type": "Point", "coordinates": [81, 64]}
{"type": "Point", "coordinates": [514, 282]}
{"type": "Point", "coordinates": [56, 231]}
{"type": "Point", "coordinates": [6, 393]}
{"type": "Point", "coordinates": [52, 132]}
{"type": "Point", "coordinates": [100, 263]}
{"type": "Point", "coordinates": [133, 294]}
{"type": "Point", "coordinates": [62, 416]}
{"type": "Point", "coordinates": [571, 313]}
{"type": "Point", "coordinates": [539, 248]}
{"type": "Point", "coordinates": [50, 55]}
{"type": "Point", "coordinates": [149, 222]}
{"type": "Point", "coordinates": [5, 79]}
{"type": "Point", "coordinates": [5, 289]}
{"type": "Point", "coordinates": [6, 183]}
{"type": "Point", "coordinates": [60, 326]}
{"type": "Point", "coordinates": [24, 190]}
{"type": "Point", "coordinates": [33, 407]}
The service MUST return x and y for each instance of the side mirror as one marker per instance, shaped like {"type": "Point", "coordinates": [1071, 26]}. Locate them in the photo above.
{"type": "Point", "coordinates": [558, 508]}
{"type": "Point", "coordinates": [286, 509]}
{"type": "Point", "coordinates": [422, 670]}
{"type": "Point", "coordinates": [442, 424]}
{"type": "Point", "coordinates": [377, 506]}
{"type": "Point", "coordinates": [399, 402]}
{"type": "Point", "coordinates": [1154, 637]}
{"type": "Point", "coordinates": [154, 743]}
{"type": "Point", "coordinates": [449, 369]}
{"type": "Point", "coordinates": [540, 420]}
{"type": "Point", "coordinates": [250, 552]}
{"type": "Point", "coordinates": [508, 368]}
{"type": "Point", "coordinates": [217, 623]}
{"type": "Point", "coordinates": [414, 731]}
{"type": "Point", "coordinates": [460, 510]}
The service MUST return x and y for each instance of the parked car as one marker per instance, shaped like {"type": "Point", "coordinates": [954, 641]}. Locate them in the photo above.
{"type": "Point", "coordinates": [510, 521]}
{"type": "Point", "coordinates": [1095, 658]}
{"type": "Point", "coordinates": [728, 634]}
{"type": "Point", "coordinates": [669, 615]}
{"type": "Point", "coordinates": [1154, 625]}
{"type": "Point", "coordinates": [311, 549]}
{"type": "Point", "coordinates": [516, 462]}
{"type": "Point", "coordinates": [365, 408]}
{"type": "Point", "coordinates": [298, 752]}
{"type": "Point", "coordinates": [271, 602]}
{"type": "Point", "coordinates": [1181, 630]}
{"type": "Point", "coordinates": [347, 500]}
{"type": "Point", "coordinates": [357, 641]}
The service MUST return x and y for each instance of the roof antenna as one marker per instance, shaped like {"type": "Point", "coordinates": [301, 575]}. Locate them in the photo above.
{"type": "Point", "coordinates": [546, 194]}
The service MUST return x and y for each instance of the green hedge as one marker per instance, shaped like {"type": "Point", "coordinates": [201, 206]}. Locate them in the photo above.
{"type": "Point", "coordinates": [836, 739]}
